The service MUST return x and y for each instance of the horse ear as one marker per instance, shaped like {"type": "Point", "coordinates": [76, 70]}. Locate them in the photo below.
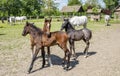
{"type": "Point", "coordinates": [66, 19]}
{"type": "Point", "coordinates": [32, 23]}
{"type": "Point", "coordinates": [50, 19]}
{"type": "Point", "coordinates": [45, 19]}
{"type": "Point", "coordinates": [27, 23]}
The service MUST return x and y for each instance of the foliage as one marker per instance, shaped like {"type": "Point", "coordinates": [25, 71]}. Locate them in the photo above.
{"type": "Point", "coordinates": [27, 7]}
{"type": "Point", "coordinates": [73, 2]}
{"type": "Point", "coordinates": [111, 4]}
{"type": "Point", "coordinates": [85, 7]}
{"type": "Point", "coordinates": [32, 7]}
{"type": "Point", "coordinates": [44, 7]}
{"type": "Point", "coordinates": [95, 10]}
{"type": "Point", "coordinates": [93, 3]}
{"type": "Point", "coordinates": [49, 7]}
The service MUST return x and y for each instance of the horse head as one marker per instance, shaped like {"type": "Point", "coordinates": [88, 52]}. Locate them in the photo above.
{"type": "Point", "coordinates": [64, 24]}
{"type": "Point", "coordinates": [26, 29]}
{"type": "Point", "coordinates": [47, 25]}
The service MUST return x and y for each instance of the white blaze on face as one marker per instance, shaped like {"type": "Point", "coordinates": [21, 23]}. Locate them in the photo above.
{"type": "Point", "coordinates": [48, 25]}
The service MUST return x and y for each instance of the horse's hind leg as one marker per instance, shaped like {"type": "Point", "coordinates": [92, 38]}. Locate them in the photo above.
{"type": "Point", "coordinates": [71, 46]}
{"type": "Point", "coordinates": [49, 58]}
{"type": "Point", "coordinates": [67, 54]}
{"type": "Point", "coordinates": [68, 61]}
{"type": "Point", "coordinates": [33, 59]}
{"type": "Point", "coordinates": [86, 48]}
{"type": "Point", "coordinates": [74, 50]}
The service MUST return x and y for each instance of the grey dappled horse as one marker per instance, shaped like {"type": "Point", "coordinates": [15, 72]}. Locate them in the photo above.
{"type": "Point", "coordinates": [76, 35]}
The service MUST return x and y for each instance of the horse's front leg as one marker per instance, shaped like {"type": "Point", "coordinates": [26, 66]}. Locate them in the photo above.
{"type": "Point", "coordinates": [74, 55]}
{"type": "Point", "coordinates": [49, 58]}
{"type": "Point", "coordinates": [33, 59]}
{"type": "Point", "coordinates": [72, 47]}
{"type": "Point", "coordinates": [32, 48]}
{"type": "Point", "coordinates": [43, 57]}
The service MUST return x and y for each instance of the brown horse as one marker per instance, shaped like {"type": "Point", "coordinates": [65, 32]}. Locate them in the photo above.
{"type": "Point", "coordinates": [41, 40]}
{"type": "Point", "coordinates": [46, 30]}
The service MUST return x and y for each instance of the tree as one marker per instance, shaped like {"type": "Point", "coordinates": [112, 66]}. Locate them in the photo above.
{"type": "Point", "coordinates": [16, 6]}
{"type": "Point", "coordinates": [3, 9]}
{"type": "Point", "coordinates": [32, 7]}
{"type": "Point", "coordinates": [11, 7]}
{"type": "Point", "coordinates": [27, 7]}
{"type": "Point", "coordinates": [21, 7]}
{"type": "Point", "coordinates": [93, 3]}
{"type": "Point", "coordinates": [111, 4]}
{"type": "Point", "coordinates": [73, 2]}
{"type": "Point", "coordinates": [118, 2]}
{"type": "Point", "coordinates": [49, 7]}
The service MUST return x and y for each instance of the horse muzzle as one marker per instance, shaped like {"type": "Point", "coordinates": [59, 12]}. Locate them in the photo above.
{"type": "Point", "coordinates": [23, 34]}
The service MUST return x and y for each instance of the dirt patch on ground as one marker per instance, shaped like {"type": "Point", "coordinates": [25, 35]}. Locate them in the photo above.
{"type": "Point", "coordinates": [103, 60]}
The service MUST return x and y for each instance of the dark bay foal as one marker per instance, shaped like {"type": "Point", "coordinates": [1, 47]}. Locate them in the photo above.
{"type": "Point", "coordinates": [41, 40]}
{"type": "Point", "coordinates": [76, 35]}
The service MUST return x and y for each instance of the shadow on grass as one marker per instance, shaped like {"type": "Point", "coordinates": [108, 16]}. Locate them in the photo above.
{"type": "Point", "coordinates": [1, 27]}
{"type": "Point", "coordinates": [2, 34]}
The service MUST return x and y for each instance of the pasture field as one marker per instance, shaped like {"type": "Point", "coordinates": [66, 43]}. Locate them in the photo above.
{"type": "Point", "coordinates": [104, 59]}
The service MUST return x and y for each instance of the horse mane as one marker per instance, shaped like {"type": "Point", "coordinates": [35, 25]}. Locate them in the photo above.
{"type": "Point", "coordinates": [38, 30]}
{"type": "Point", "coordinates": [70, 25]}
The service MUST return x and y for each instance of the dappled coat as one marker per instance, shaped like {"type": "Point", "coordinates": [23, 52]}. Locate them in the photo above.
{"type": "Point", "coordinates": [78, 20]}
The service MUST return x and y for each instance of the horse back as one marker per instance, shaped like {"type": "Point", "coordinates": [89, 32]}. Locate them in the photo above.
{"type": "Point", "coordinates": [57, 37]}
{"type": "Point", "coordinates": [76, 35]}
{"type": "Point", "coordinates": [60, 36]}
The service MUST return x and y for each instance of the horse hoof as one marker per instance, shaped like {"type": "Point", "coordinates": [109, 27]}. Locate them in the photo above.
{"type": "Point", "coordinates": [43, 66]}
{"type": "Point", "coordinates": [74, 55]}
{"type": "Point", "coordinates": [63, 62]}
{"type": "Point", "coordinates": [86, 56]}
{"type": "Point", "coordinates": [51, 65]}
{"type": "Point", "coordinates": [84, 52]}
{"type": "Point", "coordinates": [29, 71]}
{"type": "Point", "coordinates": [66, 68]}
{"type": "Point", "coordinates": [75, 58]}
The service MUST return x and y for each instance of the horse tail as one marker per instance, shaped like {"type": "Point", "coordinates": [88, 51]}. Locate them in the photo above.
{"type": "Point", "coordinates": [85, 22]}
{"type": "Point", "coordinates": [90, 34]}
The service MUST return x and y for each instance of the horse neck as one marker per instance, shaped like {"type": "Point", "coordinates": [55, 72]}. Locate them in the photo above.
{"type": "Point", "coordinates": [69, 28]}
{"type": "Point", "coordinates": [35, 32]}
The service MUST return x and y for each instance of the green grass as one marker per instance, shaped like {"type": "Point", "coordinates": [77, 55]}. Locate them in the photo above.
{"type": "Point", "coordinates": [10, 35]}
